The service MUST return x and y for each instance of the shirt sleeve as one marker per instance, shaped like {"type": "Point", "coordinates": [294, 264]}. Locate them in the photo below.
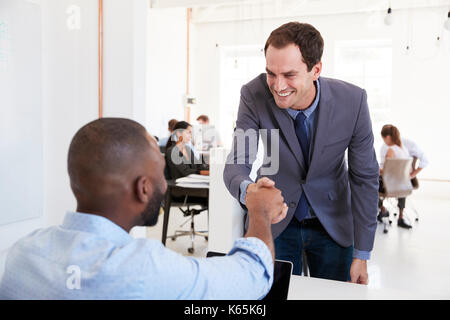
{"type": "Point", "coordinates": [415, 151]}
{"type": "Point", "coordinates": [245, 273]}
{"type": "Point", "coordinates": [243, 189]}
{"type": "Point", "coordinates": [360, 254]}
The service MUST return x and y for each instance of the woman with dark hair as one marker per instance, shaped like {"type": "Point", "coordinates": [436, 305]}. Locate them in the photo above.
{"type": "Point", "coordinates": [180, 158]}
{"type": "Point", "coordinates": [391, 137]}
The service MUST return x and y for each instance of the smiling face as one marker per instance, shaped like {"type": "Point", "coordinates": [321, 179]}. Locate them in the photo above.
{"type": "Point", "coordinates": [288, 78]}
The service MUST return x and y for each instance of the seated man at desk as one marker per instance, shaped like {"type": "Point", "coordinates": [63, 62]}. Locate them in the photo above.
{"type": "Point", "coordinates": [209, 136]}
{"type": "Point", "coordinates": [180, 159]}
{"type": "Point", "coordinates": [92, 256]}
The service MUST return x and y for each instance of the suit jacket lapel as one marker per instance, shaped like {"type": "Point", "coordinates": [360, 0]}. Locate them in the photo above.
{"type": "Point", "coordinates": [325, 110]}
{"type": "Point", "coordinates": [286, 125]}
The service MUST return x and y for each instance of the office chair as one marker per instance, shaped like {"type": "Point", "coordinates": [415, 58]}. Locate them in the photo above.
{"type": "Point", "coordinates": [184, 198]}
{"type": "Point", "coordinates": [396, 181]}
{"type": "Point", "coordinates": [415, 184]}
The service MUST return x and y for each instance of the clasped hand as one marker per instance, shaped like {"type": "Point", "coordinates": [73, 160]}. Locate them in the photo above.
{"type": "Point", "coordinates": [263, 197]}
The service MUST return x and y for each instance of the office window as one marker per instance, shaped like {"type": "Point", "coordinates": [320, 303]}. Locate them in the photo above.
{"type": "Point", "coordinates": [368, 64]}
{"type": "Point", "coordinates": [239, 65]}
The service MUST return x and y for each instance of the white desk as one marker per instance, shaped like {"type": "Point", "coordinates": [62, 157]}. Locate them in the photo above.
{"type": "Point", "coordinates": [307, 288]}
{"type": "Point", "coordinates": [226, 217]}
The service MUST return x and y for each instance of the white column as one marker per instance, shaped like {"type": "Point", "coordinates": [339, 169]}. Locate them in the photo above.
{"type": "Point", "coordinates": [226, 216]}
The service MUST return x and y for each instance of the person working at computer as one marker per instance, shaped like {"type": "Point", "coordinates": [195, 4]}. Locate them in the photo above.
{"type": "Point", "coordinates": [396, 147]}
{"type": "Point", "coordinates": [180, 158]}
{"type": "Point", "coordinates": [314, 120]}
{"type": "Point", "coordinates": [116, 175]}
{"type": "Point", "coordinates": [209, 137]}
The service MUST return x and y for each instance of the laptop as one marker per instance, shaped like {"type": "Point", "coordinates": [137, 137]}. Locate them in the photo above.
{"type": "Point", "coordinates": [281, 278]}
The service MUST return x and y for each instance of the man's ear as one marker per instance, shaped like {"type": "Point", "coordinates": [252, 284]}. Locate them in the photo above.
{"type": "Point", "coordinates": [144, 189]}
{"type": "Point", "coordinates": [317, 70]}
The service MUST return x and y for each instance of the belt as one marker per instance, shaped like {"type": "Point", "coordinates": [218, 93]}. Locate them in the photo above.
{"type": "Point", "coordinates": [310, 222]}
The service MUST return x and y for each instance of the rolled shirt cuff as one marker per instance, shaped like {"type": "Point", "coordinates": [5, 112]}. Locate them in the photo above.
{"type": "Point", "coordinates": [360, 254]}
{"type": "Point", "coordinates": [243, 187]}
{"type": "Point", "coordinates": [259, 251]}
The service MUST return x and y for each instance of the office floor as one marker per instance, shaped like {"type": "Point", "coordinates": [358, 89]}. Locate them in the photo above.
{"type": "Point", "coordinates": [415, 260]}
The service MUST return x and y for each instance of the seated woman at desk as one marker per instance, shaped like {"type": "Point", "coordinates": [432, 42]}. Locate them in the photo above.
{"type": "Point", "coordinates": [180, 158]}
{"type": "Point", "coordinates": [391, 137]}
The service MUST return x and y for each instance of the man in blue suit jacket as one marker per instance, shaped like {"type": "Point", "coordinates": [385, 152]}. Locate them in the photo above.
{"type": "Point", "coordinates": [313, 121]}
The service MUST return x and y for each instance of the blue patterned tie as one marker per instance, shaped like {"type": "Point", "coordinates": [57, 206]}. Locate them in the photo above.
{"type": "Point", "coordinates": [302, 135]}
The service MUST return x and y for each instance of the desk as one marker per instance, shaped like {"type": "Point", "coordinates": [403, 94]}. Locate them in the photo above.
{"type": "Point", "coordinates": [174, 190]}
{"type": "Point", "coordinates": [307, 288]}
{"type": "Point", "coordinates": [226, 223]}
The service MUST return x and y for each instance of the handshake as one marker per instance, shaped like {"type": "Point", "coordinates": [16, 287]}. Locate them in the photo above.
{"type": "Point", "coordinates": [265, 200]}
{"type": "Point", "coordinates": [265, 206]}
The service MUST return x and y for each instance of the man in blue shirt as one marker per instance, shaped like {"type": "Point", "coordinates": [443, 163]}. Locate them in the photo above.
{"type": "Point", "coordinates": [116, 175]}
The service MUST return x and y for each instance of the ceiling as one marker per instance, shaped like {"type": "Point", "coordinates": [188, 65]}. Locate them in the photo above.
{"type": "Point", "coordinates": [324, 4]}
{"type": "Point", "coordinates": [221, 10]}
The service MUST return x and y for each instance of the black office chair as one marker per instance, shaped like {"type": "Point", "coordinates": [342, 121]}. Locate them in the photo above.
{"type": "Point", "coordinates": [181, 197]}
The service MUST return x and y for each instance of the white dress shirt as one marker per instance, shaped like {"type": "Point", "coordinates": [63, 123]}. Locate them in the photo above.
{"type": "Point", "coordinates": [413, 150]}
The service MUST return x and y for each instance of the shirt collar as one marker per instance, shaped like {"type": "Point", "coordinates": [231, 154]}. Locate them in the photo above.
{"type": "Point", "coordinates": [308, 111]}
{"type": "Point", "coordinates": [98, 225]}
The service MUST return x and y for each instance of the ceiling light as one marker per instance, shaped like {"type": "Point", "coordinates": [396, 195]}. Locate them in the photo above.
{"type": "Point", "coordinates": [447, 22]}
{"type": "Point", "coordinates": [388, 18]}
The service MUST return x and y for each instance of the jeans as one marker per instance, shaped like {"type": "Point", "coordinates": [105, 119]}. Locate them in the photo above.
{"type": "Point", "coordinates": [326, 259]}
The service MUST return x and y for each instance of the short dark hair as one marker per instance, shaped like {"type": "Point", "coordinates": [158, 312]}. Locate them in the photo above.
{"type": "Point", "coordinates": [304, 35]}
{"type": "Point", "coordinates": [203, 117]}
{"type": "Point", "coordinates": [105, 146]}
{"type": "Point", "coordinates": [182, 125]}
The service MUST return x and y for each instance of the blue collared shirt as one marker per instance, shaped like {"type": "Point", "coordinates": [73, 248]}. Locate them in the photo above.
{"type": "Point", "coordinates": [90, 257]}
{"type": "Point", "coordinates": [310, 120]}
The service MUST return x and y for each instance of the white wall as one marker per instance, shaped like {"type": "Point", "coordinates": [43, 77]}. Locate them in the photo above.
{"type": "Point", "coordinates": [420, 86]}
{"type": "Point", "coordinates": [124, 58]}
{"type": "Point", "coordinates": [70, 97]}
{"type": "Point", "coordinates": [69, 100]}
{"type": "Point", "coordinates": [166, 68]}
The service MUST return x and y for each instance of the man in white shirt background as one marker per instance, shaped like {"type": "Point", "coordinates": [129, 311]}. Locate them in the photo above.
{"type": "Point", "coordinates": [210, 137]}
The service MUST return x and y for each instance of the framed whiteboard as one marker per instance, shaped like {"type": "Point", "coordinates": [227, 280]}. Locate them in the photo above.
{"type": "Point", "coordinates": [21, 127]}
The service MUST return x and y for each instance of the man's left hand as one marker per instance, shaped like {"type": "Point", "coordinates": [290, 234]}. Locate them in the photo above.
{"type": "Point", "coordinates": [358, 271]}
